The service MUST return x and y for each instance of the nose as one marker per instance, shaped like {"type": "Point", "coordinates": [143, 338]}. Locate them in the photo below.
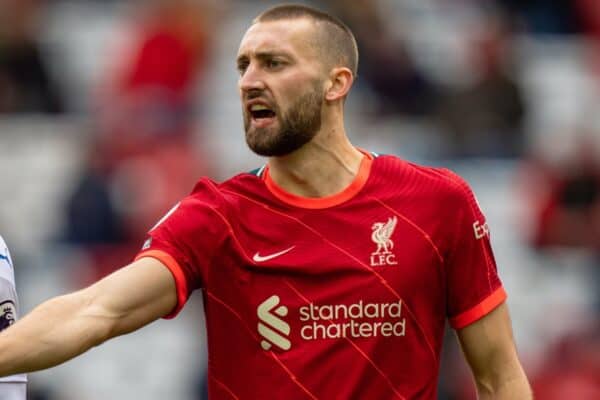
{"type": "Point", "coordinates": [251, 79]}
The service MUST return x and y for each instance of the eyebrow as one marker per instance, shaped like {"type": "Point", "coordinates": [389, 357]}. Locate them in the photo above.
{"type": "Point", "coordinates": [262, 55]}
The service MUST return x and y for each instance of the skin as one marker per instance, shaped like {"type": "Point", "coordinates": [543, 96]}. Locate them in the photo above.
{"type": "Point", "coordinates": [290, 129]}
{"type": "Point", "coordinates": [329, 162]}
{"type": "Point", "coordinates": [489, 348]}
{"type": "Point", "coordinates": [66, 326]}
{"type": "Point", "coordinates": [144, 291]}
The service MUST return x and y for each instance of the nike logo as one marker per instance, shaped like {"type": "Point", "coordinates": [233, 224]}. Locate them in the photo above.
{"type": "Point", "coordinates": [258, 258]}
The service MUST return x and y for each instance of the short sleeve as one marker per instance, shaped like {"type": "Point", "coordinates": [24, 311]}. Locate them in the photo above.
{"type": "Point", "coordinates": [473, 286]}
{"type": "Point", "coordinates": [8, 304]}
{"type": "Point", "coordinates": [8, 294]}
{"type": "Point", "coordinates": [11, 387]}
{"type": "Point", "coordinates": [186, 240]}
{"type": "Point", "coordinates": [6, 264]}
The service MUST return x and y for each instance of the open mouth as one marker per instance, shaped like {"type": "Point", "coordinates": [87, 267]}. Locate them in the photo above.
{"type": "Point", "coordinates": [261, 114]}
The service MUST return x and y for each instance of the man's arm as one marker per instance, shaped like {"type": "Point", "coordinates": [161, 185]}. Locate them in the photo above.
{"type": "Point", "coordinates": [489, 349]}
{"type": "Point", "coordinates": [66, 326]}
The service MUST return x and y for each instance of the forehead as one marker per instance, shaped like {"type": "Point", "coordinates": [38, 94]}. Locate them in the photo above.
{"type": "Point", "coordinates": [293, 36]}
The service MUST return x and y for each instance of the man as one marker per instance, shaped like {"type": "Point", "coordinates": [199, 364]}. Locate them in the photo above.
{"type": "Point", "coordinates": [11, 387]}
{"type": "Point", "coordinates": [326, 274]}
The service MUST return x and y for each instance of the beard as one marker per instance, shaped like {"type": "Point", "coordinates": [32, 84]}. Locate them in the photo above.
{"type": "Point", "coordinates": [297, 126]}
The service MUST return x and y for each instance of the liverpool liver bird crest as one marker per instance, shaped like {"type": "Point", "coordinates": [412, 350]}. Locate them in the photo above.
{"type": "Point", "coordinates": [382, 233]}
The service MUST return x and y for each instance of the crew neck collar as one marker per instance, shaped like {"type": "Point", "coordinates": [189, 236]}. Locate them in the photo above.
{"type": "Point", "coordinates": [323, 202]}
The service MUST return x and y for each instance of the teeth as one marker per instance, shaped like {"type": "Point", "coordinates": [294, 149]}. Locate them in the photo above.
{"type": "Point", "coordinates": [258, 107]}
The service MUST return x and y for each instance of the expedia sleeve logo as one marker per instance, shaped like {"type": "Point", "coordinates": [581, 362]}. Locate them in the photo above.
{"type": "Point", "coordinates": [481, 230]}
{"type": "Point", "coordinates": [8, 313]}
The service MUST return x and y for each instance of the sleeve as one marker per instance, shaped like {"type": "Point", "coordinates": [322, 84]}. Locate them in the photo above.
{"type": "Point", "coordinates": [11, 387]}
{"type": "Point", "coordinates": [473, 286]}
{"type": "Point", "coordinates": [6, 264]}
{"type": "Point", "coordinates": [186, 240]}
{"type": "Point", "coordinates": [13, 390]}
{"type": "Point", "coordinates": [8, 304]}
{"type": "Point", "coordinates": [8, 295]}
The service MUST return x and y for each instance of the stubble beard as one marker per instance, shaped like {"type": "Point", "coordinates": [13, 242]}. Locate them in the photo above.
{"type": "Point", "coordinates": [296, 127]}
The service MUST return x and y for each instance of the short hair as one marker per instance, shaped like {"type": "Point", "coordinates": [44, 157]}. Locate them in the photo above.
{"type": "Point", "coordinates": [335, 41]}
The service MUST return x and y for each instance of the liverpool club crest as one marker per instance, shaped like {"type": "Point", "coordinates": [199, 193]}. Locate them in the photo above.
{"type": "Point", "coordinates": [382, 232]}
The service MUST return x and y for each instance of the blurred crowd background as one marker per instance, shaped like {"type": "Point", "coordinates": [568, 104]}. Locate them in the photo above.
{"type": "Point", "coordinates": [110, 111]}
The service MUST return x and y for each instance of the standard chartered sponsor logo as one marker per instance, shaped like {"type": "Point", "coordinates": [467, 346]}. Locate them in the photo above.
{"type": "Point", "coordinates": [330, 321]}
{"type": "Point", "coordinates": [358, 320]}
{"type": "Point", "coordinates": [271, 327]}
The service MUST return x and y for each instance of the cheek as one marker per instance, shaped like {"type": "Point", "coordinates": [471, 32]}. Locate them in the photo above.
{"type": "Point", "coordinates": [292, 85]}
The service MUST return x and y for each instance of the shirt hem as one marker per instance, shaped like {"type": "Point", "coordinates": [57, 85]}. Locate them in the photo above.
{"type": "Point", "coordinates": [480, 310]}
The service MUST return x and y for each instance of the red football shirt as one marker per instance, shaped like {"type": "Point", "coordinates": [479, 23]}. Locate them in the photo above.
{"type": "Point", "coordinates": [342, 297]}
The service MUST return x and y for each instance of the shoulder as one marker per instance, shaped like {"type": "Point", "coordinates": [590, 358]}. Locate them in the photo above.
{"type": "Point", "coordinates": [208, 190]}
{"type": "Point", "coordinates": [7, 278]}
{"type": "Point", "coordinates": [210, 200]}
{"type": "Point", "coordinates": [208, 193]}
{"type": "Point", "coordinates": [3, 246]}
{"type": "Point", "coordinates": [440, 181]}
{"type": "Point", "coordinates": [245, 181]}
{"type": "Point", "coordinates": [5, 259]}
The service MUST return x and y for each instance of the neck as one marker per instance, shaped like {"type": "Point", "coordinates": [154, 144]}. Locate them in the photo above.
{"type": "Point", "coordinates": [323, 167]}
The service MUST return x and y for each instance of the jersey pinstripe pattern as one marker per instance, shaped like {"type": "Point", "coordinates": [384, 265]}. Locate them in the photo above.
{"type": "Point", "coordinates": [343, 297]}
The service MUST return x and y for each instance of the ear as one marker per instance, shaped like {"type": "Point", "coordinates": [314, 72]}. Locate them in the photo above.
{"type": "Point", "coordinates": [339, 84]}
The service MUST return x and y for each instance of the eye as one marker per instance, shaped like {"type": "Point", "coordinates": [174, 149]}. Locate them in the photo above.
{"type": "Point", "coordinates": [273, 63]}
{"type": "Point", "coordinates": [242, 66]}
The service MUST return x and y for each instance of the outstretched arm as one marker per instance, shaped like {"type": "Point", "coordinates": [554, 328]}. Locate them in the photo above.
{"type": "Point", "coordinates": [66, 326]}
{"type": "Point", "coordinates": [490, 351]}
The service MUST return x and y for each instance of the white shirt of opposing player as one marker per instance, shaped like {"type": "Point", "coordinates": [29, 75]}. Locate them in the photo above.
{"type": "Point", "coordinates": [11, 387]}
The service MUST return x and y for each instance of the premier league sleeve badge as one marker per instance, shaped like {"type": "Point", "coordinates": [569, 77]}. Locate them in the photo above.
{"type": "Point", "coordinates": [8, 313]}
